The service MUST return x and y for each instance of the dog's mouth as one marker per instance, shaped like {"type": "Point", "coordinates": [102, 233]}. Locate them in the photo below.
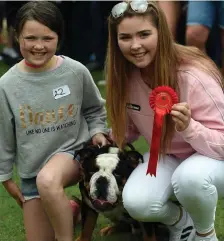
{"type": "Point", "coordinates": [102, 205]}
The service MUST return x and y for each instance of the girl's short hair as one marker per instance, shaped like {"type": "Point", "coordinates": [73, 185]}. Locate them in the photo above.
{"type": "Point", "coordinates": [44, 12]}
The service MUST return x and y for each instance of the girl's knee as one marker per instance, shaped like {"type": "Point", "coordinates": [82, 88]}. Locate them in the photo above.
{"type": "Point", "coordinates": [56, 175]}
{"type": "Point", "coordinates": [140, 207]}
{"type": "Point", "coordinates": [188, 182]}
{"type": "Point", "coordinates": [47, 182]}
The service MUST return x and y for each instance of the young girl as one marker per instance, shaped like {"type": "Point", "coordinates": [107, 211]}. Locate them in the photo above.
{"type": "Point", "coordinates": [141, 56]}
{"type": "Point", "coordinates": [49, 107]}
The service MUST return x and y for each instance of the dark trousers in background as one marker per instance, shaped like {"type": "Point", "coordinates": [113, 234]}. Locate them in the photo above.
{"type": "Point", "coordinates": [85, 29]}
{"type": "Point", "coordinates": [77, 43]}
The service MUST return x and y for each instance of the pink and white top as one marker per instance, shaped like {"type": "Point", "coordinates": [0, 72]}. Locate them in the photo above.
{"type": "Point", "coordinates": [205, 133]}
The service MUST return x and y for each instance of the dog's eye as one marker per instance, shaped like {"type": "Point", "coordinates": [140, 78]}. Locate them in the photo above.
{"type": "Point", "coordinates": [116, 175]}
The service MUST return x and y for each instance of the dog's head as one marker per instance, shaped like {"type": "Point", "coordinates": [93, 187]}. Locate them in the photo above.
{"type": "Point", "coordinates": [106, 170]}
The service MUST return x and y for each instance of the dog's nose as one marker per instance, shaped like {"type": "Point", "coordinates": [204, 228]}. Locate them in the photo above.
{"type": "Point", "coordinates": [102, 188]}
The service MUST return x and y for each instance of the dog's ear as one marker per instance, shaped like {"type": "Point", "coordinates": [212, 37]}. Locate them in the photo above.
{"type": "Point", "coordinates": [134, 158]}
{"type": "Point", "coordinates": [87, 153]}
{"type": "Point", "coordinates": [129, 160]}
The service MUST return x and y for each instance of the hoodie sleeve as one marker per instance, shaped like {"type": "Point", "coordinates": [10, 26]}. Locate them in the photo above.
{"type": "Point", "coordinates": [7, 139]}
{"type": "Point", "coordinates": [205, 132]}
{"type": "Point", "coordinates": [93, 106]}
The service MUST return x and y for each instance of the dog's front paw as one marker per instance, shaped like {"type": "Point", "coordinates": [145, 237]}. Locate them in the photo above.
{"type": "Point", "coordinates": [107, 231]}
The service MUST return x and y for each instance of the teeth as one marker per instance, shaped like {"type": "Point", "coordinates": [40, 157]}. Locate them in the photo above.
{"type": "Point", "coordinates": [39, 54]}
{"type": "Point", "coordinates": [139, 55]}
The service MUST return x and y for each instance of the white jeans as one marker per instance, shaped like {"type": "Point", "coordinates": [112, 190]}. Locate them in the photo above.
{"type": "Point", "coordinates": [196, 183]}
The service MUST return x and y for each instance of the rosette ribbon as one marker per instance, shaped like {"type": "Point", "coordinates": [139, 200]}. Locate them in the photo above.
{"type": "Point", "coordinates": [161, 101]}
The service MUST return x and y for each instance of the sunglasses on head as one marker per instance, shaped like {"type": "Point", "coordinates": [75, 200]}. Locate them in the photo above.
{"type": "Point", "coordinates": [139, 6]}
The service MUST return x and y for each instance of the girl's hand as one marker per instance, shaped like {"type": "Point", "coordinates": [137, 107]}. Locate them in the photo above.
{"type": "Point", "coordinates": [181, 115]}
{"type": "Point", "coordinates": [100, 139]}
{"type": "Point", "coordinates": [14, 191]}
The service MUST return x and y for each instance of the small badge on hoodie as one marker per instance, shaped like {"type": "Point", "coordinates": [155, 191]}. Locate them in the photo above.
{"type": "Point", "coordinates": [133, 106]}
{"type": "Point", "coordinates": [61, 92]}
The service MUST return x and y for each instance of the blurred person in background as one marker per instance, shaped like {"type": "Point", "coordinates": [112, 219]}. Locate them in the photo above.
{"type": "Point", "coordinates": [10, 51]}
{"type": "Point", "coordinates": [172, 11]}
{"type": "Point", "coordinates": [1, 24]}
{"type": "Point", "coordinates": [201, 19]}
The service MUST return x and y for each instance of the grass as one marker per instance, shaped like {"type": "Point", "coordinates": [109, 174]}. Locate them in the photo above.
{"type": "Point", "coordinates": [11, 220]}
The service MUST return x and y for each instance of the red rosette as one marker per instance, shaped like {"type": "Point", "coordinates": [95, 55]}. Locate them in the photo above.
{"type": "Point", "coordinates": [161, 101]}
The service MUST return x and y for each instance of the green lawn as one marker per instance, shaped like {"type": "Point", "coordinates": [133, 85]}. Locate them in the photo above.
{"type": "Point", "coordinates": [11, 223]}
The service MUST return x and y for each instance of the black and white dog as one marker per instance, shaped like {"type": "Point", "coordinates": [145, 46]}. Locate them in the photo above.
{"type": "Point", "coordinates": [105, 171]}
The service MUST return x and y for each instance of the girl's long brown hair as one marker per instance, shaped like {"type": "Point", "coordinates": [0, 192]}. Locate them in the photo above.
{"type": "Point", "coordinates": [168, 58]}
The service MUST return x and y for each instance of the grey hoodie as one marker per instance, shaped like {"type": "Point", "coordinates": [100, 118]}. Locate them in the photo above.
{"type": "Point", "coordinates": [42, 114]}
